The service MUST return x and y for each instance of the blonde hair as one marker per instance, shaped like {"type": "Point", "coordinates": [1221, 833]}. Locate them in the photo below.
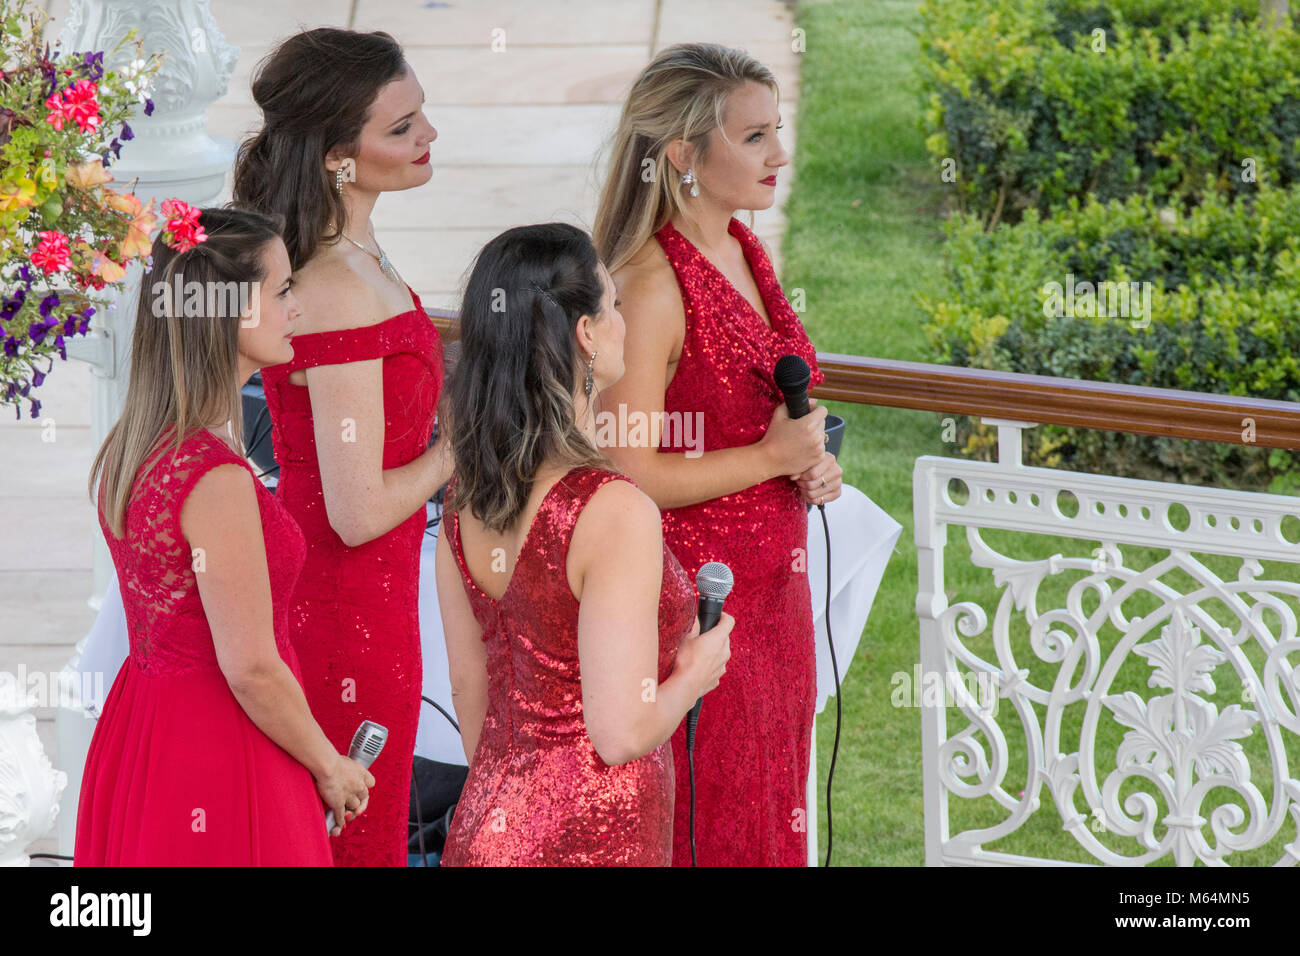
{"type": "Point", "coordinates": [184, 368]}
{"type": "Point", "coordinates": [681, 94]}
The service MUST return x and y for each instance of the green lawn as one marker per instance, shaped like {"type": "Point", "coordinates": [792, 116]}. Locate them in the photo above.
{"type": "Point", "coordinates": [864, 237]}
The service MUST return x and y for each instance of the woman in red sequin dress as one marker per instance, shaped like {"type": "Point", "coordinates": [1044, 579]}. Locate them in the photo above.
{"type": "Point", "coordinates": [206, 749]}
{"type": "Point", "coordinates": [571, 628]}
{"type": "Point", "coordinates": [353, 412]}
{"type": "Point", "coordinates": [706, 323]}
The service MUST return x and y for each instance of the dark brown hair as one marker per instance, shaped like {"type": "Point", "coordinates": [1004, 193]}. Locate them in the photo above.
{"type": "Point", "coordinates": [315, 91]}
{"type": "Point", "coordinates": [512, 404]}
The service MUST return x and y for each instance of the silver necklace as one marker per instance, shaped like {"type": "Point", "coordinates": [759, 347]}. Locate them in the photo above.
{"type": "Point", "coordinates": [384, 262]}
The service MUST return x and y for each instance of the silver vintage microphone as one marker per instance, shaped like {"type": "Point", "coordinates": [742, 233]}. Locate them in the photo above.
{"type": "Point", "coordinates": [366, 744]}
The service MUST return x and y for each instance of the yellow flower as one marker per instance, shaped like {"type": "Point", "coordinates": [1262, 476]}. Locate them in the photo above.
{"type": "Point", "coordinates": [100, 264]}
{"type": "Point", "coordinates": [106, 268]}
{"type": "Point", "coordinates": [143, 220]}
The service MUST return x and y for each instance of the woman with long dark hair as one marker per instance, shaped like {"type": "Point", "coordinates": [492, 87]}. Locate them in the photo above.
{"type": "Point", "coordinates": [206, 750]}
{"type": "Point", "coordinates": [353, 411]}
{"type": "Point", "coordinates": [706, 323]}
{"type": "Point", "coordinates": [571, 628]}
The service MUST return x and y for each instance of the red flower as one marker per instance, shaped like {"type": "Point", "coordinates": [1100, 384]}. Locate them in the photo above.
{"type": "Point", "coordinates": [83, 104]}
{"type": "Point", "coordinates": [77, 103]}
{"type": "Point", "coordinates": [182, 231]}
{"type": "Point", "coordinates": [52, 253]}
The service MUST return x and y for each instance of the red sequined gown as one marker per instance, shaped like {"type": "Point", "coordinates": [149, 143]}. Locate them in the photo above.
{"type": "Point", "coordinates": [177, 774]}
{"type": "Point", "coordinates": [354, 616]}
{"type": "Point", "coordinates": [538, 794]}
{"type": "Point", "coordinates": [753, 741]}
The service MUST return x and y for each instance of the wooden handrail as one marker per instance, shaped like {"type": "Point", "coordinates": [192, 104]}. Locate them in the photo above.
{"type": "Point", "coordinates": [1043, 399]}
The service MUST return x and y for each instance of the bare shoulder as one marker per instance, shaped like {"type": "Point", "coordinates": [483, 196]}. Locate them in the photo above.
{"type": "Point", "coordinates": [221, 493]}
{"type": "Point", "coordinates": [334, 295]}
{"type": "Point", "coordinates": [647, 286]}
{"type": "Point", "coordinates": [617, 511]}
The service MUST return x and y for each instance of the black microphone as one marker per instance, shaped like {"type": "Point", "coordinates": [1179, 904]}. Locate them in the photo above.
{"type": "Point", "coordinates": [792, 377]}
{"type": "Point", "coordinates": [713, 582]}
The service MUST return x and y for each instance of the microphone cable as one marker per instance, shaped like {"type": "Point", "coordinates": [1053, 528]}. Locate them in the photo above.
{"type": "Point", "coordinates": [419, 814]}
{"type": "Point", "coordinates": [835, 748]}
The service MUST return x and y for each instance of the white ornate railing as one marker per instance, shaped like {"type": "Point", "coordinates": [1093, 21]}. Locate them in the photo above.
{"type": "Point", "coordinates": [1195, 670]}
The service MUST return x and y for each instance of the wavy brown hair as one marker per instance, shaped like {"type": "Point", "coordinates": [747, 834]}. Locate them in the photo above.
{"type": "Point", "coordinates": [315, 91]}
{"type": "Point", "coordinates": [512, 393]}
{"type": "Point", "coordinates": [184, 367]}
{"type": "Point", "coordinates": [681, 94]}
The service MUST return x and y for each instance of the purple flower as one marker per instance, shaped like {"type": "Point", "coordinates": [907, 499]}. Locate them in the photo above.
{"type": "Point", "coordinates": [48, 304]}
{"type": "Point", "coordinates": [127, 134]}
{"type": "Point", "coordinates": [115, 148]}
{"type": "Point", "coordinates": [70, 324]}
{"type": "Point", "coordinates": [63, 348]}
{"type": "Point", "coordinates": [11, 306]}
{"type": "Point", "coordinates": [37, 379]}
{"type": "Point", "coordinates": [148, 107]}
{"type": "Point", "coordinates": [11, 346]}
{"type": "Point", "coordinates": [36, 408]}
{"type": "Point", "coordinates": [25, 273]}
{"type": "Point", "coordinates": [39, 329]}
{"type": "Point", "coordinates": [94, 65]}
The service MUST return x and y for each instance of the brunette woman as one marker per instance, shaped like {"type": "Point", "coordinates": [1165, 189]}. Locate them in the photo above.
{"type": "Point", "coordinates": [354, 410]}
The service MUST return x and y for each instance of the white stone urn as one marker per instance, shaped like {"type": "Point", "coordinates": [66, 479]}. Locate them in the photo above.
{"type": "Point", "coordinates": [29, 786]}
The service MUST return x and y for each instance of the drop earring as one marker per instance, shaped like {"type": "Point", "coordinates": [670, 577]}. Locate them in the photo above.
{"type": "Point", "coordinates": [338, 181]}
{"type": "Point", "coordinates": [591, 381]}
{"type": "Point", "coordinates": [688, 179]}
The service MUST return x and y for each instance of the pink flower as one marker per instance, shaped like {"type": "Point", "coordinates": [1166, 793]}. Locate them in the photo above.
{"type": "Point", "coordinates": [58, 111]}
{"type": "Point", "coordinates": [52, 253]}
{"type": "Point", "coordinates": [77, 103]}
{"type": "Point", "coordinates": [182, 231]}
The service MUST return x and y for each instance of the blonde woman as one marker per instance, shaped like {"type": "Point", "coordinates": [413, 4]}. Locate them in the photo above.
{"type": "Point", "coordinates": [206, 750]}
{"type": "Point", "coordinates": [706, 323]}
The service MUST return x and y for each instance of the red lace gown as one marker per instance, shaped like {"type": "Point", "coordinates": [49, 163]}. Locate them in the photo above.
{"type": "Point", "coordinates": [354, 616]}
{"type": "Point", "coordinates": [177, 774]}
{"type": "Point", "coordinates": [753, 740]}
{"type": "Point", "coordinates": [537, 793]}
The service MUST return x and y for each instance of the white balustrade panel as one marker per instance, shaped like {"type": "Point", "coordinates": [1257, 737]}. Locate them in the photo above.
{"type": "Point", "coordinates": [1148, 707]}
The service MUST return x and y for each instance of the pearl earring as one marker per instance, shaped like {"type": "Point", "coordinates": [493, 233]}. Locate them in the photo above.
{"type": "Point", "coordinates": [689, 180]}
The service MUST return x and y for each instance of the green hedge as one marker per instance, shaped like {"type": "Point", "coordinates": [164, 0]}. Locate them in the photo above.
{"type": "Point", "coordinates": [1185, 92]}
{"type": "Point", "coordinates": [1224, 318]}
